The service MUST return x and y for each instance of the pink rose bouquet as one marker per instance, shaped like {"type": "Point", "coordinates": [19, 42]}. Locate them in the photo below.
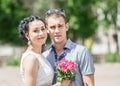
{"type": "Point", "coordinates": [65, 70]}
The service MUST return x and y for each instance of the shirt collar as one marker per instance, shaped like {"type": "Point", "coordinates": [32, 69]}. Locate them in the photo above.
{"type": "Point", "coordinates": [69, 45]}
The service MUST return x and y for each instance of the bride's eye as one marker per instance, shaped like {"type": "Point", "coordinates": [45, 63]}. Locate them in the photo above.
{"type": "Point", "coordinates": [42, 28]}
{"type": "Point", "coordinates": [36, 30]}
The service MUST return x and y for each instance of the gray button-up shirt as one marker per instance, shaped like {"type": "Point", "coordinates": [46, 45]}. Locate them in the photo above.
{"type": "Point", "coordinates": [74, 52]}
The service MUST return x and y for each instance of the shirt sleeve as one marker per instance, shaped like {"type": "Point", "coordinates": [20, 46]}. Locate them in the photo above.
{"type": "Point", "coordinates": [86, 65]}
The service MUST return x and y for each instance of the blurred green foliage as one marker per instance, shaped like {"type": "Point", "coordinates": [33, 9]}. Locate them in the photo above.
{"type": "Point", "coordinates": [12, 61]}
{"type": "Point", "coordinates": [113, 57]}
{"type": "Point", "coordinates": [11, 12]}
{"type": "Point", "coordinates": [110, 11]}
{"type": "Point", "coordinates": [81, 17]}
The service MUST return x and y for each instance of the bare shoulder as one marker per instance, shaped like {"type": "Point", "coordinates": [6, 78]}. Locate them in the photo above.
{"type": "Point", "coordinates": [30, 62]}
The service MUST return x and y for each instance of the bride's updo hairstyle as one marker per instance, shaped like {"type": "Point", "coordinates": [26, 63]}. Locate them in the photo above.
{"type": "Point", "coordinates": [24, 26]}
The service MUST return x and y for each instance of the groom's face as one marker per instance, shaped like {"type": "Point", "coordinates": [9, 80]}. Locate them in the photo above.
{"type": "Point", "coordinates": [57, 28]}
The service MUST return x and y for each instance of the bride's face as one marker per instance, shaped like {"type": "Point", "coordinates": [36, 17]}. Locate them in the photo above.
{"type": "Point", "coordinates": [37, 33]}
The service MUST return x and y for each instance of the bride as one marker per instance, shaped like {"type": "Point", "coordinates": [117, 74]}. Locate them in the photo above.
{"type": "Point", "coordinates": [34, 68]}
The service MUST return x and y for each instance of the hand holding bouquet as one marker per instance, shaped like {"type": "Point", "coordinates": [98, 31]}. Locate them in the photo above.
{"type": "Point", "coordinates": [65, 70]}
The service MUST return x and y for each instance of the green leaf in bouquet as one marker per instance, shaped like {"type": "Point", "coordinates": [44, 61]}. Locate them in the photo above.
{"type": "Point", "coordinates": [59, 79]}
{"type": "Point", "coordinates": [60, 73]}
{"type": "Point", "coordinates": [72, 75]}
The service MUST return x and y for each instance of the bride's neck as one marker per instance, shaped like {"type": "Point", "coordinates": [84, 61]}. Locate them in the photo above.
{"type": "Point", "coordinates": [35, 49]}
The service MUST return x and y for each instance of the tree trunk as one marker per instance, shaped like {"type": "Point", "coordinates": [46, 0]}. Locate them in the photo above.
{"type": "Point", "coordinates": [118, 33]}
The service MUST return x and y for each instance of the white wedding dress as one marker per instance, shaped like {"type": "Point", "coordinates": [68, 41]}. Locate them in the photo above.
{"type": "Point", "coordinates": [45, 72]}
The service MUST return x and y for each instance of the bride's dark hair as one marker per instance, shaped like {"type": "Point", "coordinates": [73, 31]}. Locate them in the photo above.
{"type": "Point", "coordinates": [24, 25]}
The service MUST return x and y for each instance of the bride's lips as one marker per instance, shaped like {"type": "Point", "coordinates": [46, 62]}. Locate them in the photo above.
{"type": "Point", "coordinates": [41, 38]}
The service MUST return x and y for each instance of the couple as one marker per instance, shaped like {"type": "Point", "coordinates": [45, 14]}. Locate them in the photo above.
{"type": "Point", "coordinates": [37, 68]}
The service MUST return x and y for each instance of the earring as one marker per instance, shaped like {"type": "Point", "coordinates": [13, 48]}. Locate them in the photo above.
{"type": "Point", "coordinates": [45, 44]}
{"type": "Point", "coordinates": [29, 43]}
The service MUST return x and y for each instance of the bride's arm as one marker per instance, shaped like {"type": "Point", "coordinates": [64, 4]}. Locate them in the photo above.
{"type": "Point", "coordinates": [30, 65]}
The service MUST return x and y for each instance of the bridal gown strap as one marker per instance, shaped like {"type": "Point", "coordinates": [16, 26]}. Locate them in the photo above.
{"type": "Point", "coordinates": [45, 72]}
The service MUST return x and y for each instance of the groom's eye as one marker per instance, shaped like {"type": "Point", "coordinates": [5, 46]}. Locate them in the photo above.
{"type": "Point", "coordinates": [60, 26]}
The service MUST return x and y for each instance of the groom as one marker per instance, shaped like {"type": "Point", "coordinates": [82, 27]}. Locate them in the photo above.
{"type": "Point", "coordinates": [63, 48]}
